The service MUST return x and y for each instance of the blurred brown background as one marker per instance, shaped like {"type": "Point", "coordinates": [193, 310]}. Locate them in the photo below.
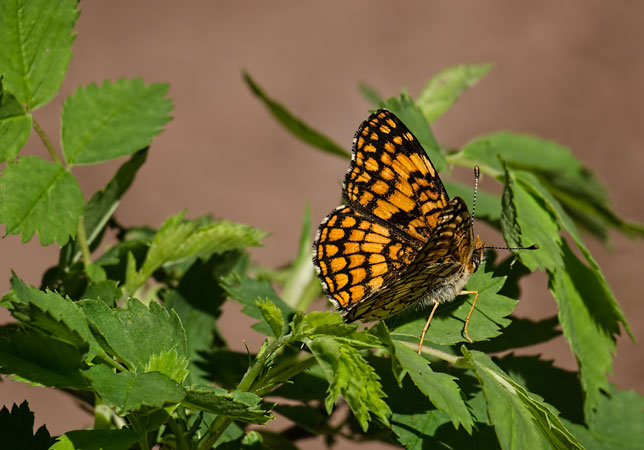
{"type": "Point", "coordinates": [572, 72]}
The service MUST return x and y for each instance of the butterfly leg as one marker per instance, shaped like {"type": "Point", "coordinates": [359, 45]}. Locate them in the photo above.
{"type": "Point", "coordinates": [467, 319]}
{"type": "Point", "coordinates": [422, 337]}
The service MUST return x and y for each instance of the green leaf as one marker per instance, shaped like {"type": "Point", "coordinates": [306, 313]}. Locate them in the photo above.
{"type": "Point", "coordinates": [113, 120]}
{"type": "Point", "coordinates": [17, 429]}
{"type": "Point", "coordinates": [521, 419]}
{"type": "Point", "coordinates": [294, 125]}
{"type": "Point", "coordinates": [135, 335]}
{"type": "Point", "coordinates": [246, 291]}
{"type": "Point", "coordinates": [272, 315]}
{"type": "Point", "coordinates": [96, 440]}
{"type": "Point", "coordinates": [488, 205]}
{"type": "Point", "coordinates": [54, 315]}
{"type": "Point", "coordinates": [307, 327]}
{"type": "Point", "coordinates": [413, 118]}
{"type": "Point", "coordinates": [35, 47]}
{"type": "Point", "coordinates": [179, 240]}
{"type": "Point", "coordinates": [107, 291]}
{"type": "Point", "coordinates": [522, 333]}
{"type": "Point", "coordinates": [444, 89]}
{"type": "Point", "coordinates": [15, 125]}
{"type": "Point", "coordinates": [236, 405]}
{"type": "Point", "coordinates": [38, 195]}
{"type": "Point", "coordinates": [370, 93]}
{"type": "Point", "coordinates": [301, 272]}
{"type": "Point", "coordinates": [99, 209]}
{"type": "Point", "coordinates": [129, 391]}
{"type": "Point", "coordinates": [440, 388]}
{"type": "Point", "coordinates": [352, 377]}
{"type": "Point", "coordinates": [486, 322]}
{"type": "Point", "coordinates": [170, 363]}
{"type": "Point", "coordinates": [41, 360]}
{"type": "Point", "coordinates": [617, 425]}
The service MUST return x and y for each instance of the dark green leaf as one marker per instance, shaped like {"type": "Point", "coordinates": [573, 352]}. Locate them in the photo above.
{"type": "Point", "coordinates": [96, 440]}
{"type": "Point", "coordinates": [17, 429]}
{"type": "Point", "coordinates": [439, 387]}
{"type": "Point", "coordinates": [107, 291]}
{"type": "Point", "coordinates": [129, 391]}
{"type": "Point", "coordinates": [113, 120]}
{"type": "Point", "coordinates": [352, 377]}
{"type": "Point", "coordinates": [38, 195]}
{"type": "Point", "coordinates": [298, 128]}
{"type": "Point", "coordinates": [487, 320]}
{"type": "Point", "coordinates": [246, 291]}
{"type": "Point", "coordinates": [35, 47]}
{"type": "Point", "coordinates": [444, 89]}
{"type": "Point", "coordinates": [237, 405]}
{"type": "Point", "coordinates": [413, 118]}
{"type": "Point", "coordinates": [15, 125]}
{"type": "Point", "coordinates": [41, 360]}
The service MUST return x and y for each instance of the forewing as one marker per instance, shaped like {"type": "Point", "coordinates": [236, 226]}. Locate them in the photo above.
{"type": "Point", "coordinates": [392, 178]}
{"type": "Point", "coordinates": [356, 257]}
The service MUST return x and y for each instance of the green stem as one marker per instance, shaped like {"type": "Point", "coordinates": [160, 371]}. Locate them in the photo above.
{"type": "Point", "coordinates": [179, 437]}
{"type": "Point", "coordinates": [82, 241]}
{"type": "Point", "coordinates": [45, 140]}
{"type": "Point", "coordinates": [143, 436]}
{"type": "Point", "coordinates": [452, 359]}
{"type": "Point", "coordinates": [285, 373]}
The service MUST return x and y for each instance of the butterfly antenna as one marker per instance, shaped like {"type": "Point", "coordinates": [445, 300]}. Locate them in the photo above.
{"type": "Point", "coordinates": [532, 247]}
{"type": "Point", "coordinates": [477, 173]}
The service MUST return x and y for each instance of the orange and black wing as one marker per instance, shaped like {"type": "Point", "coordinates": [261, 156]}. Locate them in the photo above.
{"type": "Point", "coordinates": [392, 179]}
{"type": "Point", "coordinates": [355, 257]}
{"type": "Point", "coordinates": [445, 257]}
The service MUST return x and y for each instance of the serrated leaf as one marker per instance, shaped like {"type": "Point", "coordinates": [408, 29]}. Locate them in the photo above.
{"type": "Point", "coordinates": [352, 377]}
{"type": "Point", "coordinates": [129, 391]}
{"type": "Point", "coordinates": [100, 123]}
{"type": "Point", "coordinates": [96, 440]}
{"type": "Point", "coordinates": [413, 118]}
{"type": "Point", "coordinates": [15, 125]}
{"type": "Point", "coordinates": [40, 196]}
{"type": "Point", "coordinates": [487, 320]}
{"type": "Point", "coordinates": [136, 334]}
{"type": "Point", "coordinates": [17, 429]}
{"type": "Point", "coordinates": [294, 125]}
{"type": "Point", "coordinates": [326, 323]}
{"type": "Point", "coordinates": [617, 425]}
{"type": "Point", "coordinates": [41, 360]}
{"type": "Point", "coordinates": [439, 387]}
{"type": "Point", "coordinates": [272, 315]}
{"type": "Point", "coordinates": [36, 40]}
{"type": "Point", "coordinates": [99, 209]}
{"type": "Point", "coordinates": [246, 291]}
{"type": "Point", "coordinates": [49, 312]}
{"type": "Point", "coordinates": [237, 405]}
{"type": "Point", "coordinates": [107, 291]}
{"type": "Point", "coordinates": [443, 89]}
{"type": "Point", "coordinates": [170, 363]}
{"type": "Point", "coordinates": [521, 419]}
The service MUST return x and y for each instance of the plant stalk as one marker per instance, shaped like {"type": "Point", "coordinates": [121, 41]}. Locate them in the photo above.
{"type": "Point", "coordinates": [46, 141]}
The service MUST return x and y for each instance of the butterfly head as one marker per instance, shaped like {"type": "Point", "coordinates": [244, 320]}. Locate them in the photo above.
{"type": "Point", "coordinates": [478, 256]}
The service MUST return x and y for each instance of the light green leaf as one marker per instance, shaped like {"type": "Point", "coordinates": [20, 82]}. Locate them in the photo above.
{"type": "Point", "coordinates": [487, 320]}
{"type": "Point", "coordinates": [405, 109]}
{"type": "Point", "coordinates": [38, 195]}
{"type": "Point", "coordinates": [170, 363]}
{"type": "Point", "coordinates": [272, 315]}
{"type": "Point", "coordinates": [315, 324]}
{"type": "Point", "coordinates": [244, 406]}
{"type": "Point", "coordinates": [41, 360]}
{"type": "Point", "coordinates": [137, 335]}
{"type": "Point", "coordinates": [294, 125]}
{"type": "Point", "coordinates": [521, 419]}
{"type": "Point", "coordinates": [440, 388]}
{"type": "Point", "coordinates": [36, 39]}
{"type": "Point", "coordinates": [370, 93]}
{"type": "Point", "coordinates": [129, 391]}
{"type": "Point", "coordinates": [113, 120]}
{"type": "Point", "coordinates": [15, 125]}
{"type": "Point", "coordinates": [301, 271]}
{"type": "Point", "coordinates": [352, 377]}
{"type": "Point", "coordinates": [96, 440]}
{"type": "Point", "coordinates": [444, 89]}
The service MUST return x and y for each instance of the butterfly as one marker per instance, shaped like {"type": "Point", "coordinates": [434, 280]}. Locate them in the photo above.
{"type": "Point", "coordinates": [398, 241]}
